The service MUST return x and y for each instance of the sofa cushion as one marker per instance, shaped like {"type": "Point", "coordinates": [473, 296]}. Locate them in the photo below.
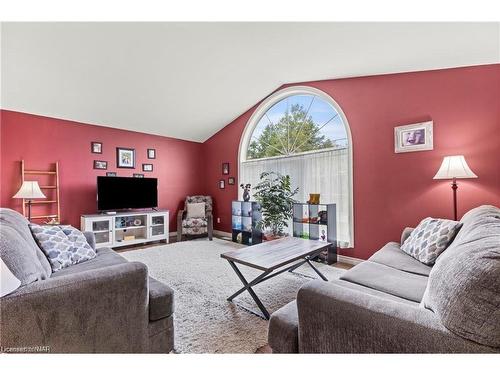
{"type": "Point", "coordinates": [388, 280]}
{"type": "Point", "coordinates": [161, 300]}
{"type": "Point", "coordinates": [391, 255]}
{"type": "Point", "coordinates": [372, 292]}
{"type": "Point", "coordinates": [19, 223]}
{"type": "Point", "coordinates": [20, 258]}
{"type": "Point", "coordinates": [464, 285]}
{"type": "Point", "coordinates": [105, 257]}
{"type": "Point", "coordinates": [430, 238]}
{"type": "Point", "coordinates": [283, 334]}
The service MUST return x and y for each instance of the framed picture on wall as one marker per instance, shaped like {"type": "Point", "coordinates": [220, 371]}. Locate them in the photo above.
{"type": "Point", "coordinates": [225, 168]}
{"type": "Point", "coordinates": [125, 157]}
{"type": "Point", "coordinates": [99, 164]}
{"type": "Point", "coordinates": [138, 175]}
{"type": "Point", "coordinates": [151, 153]}
{"type": "Point", "coordinates": [111, 174]}
{"type": "Point", "coordinates": [414, 137]}
{"type": "Point", "coordinates": [96, 147]}
{"type": "Point", "coordinates": [222, 184]}
{"type": "Point", "coordinates": [147, 167]}
{"type": "Point", "coordinates": [231, 181]}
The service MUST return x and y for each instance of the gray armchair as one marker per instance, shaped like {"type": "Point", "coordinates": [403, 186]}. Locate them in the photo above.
{"type": "Point", "coordinates": [195, 226]}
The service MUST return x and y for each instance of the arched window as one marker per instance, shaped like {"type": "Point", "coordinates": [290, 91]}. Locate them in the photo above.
{"type": "Point", "coordinates": [302, 132]}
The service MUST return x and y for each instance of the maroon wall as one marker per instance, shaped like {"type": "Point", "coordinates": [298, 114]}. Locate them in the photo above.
{"type": "Point", "coordinates": [42, 140]}
{"type": "Point", "coordinates": [391, 190]}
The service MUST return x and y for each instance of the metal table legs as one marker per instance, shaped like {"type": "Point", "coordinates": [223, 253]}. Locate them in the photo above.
{"type": "Point", "coordinates": [263, 277]}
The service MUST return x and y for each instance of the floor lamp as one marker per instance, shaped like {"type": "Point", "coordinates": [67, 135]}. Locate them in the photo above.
{"type": "Point", "coordinates": [454, 167]}
{"type": "Point", "coordinates": [29, 190]}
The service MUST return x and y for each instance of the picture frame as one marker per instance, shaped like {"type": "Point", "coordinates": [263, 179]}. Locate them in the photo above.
{"type": "Point", "coordinates": [222, 184]}
{"type": "Point", "coordinates": [125, 157]}
{"type": "Point", "coordinates": [111, 174]}
{"type": "Point", "coordinates": [96, 147]}
{"type": "Point", "coordinates": [147, 167]}
{"type": "Point", "coordinates": [151, 153]}
{"type": "Point", "coordinates": [231, 181]}
{"type": "Point", "coordinates": [414, 137]}
{"type": "Point", "coordinates": [225, 168]}
{"type": "Point", "coordinates": [138, 175]}
{"type": "Point", "coordinates": [100, 164]}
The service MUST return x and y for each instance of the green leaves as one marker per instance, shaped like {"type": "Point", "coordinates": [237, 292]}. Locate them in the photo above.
{"type": "Point", "coordinates": [275, 195]}
{"type": "Point", "coordinates": [295, 132]}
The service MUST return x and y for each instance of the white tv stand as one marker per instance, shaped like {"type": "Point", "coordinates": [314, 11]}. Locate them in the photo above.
{"type": "Point", "coordinates": [127, 228]}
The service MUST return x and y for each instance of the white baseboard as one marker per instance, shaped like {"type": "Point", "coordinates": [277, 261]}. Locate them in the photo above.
{"type": "Point", "coordinates": [349, 260]}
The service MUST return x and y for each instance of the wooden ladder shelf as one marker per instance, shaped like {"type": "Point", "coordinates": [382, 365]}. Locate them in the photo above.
{"type": "Point", "coordinates": [53, 186]}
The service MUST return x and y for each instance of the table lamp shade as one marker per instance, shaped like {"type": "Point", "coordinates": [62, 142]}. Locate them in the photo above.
{"type": "Point", "coordinates": [29, 190]}
{"type": "Point", "coordinates": [454, 167]}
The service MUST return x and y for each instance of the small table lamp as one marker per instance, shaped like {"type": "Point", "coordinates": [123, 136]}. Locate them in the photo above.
{"type": "Point", "coordinates": [29, 190]}
{"type": "Point", "coordinates": [454, 167]}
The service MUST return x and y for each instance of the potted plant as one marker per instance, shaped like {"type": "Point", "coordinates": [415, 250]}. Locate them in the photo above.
{"type": "Point", "coordinates": [275, 196]}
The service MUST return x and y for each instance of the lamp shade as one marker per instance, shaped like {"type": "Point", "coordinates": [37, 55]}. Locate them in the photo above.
{"type": "Point", "coordinates": [29, 190]}
{"type": "Point", "coordinates": [454, 167]}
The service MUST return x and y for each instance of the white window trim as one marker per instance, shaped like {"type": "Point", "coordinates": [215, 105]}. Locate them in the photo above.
{"type": "Point", "coordinates": [274, 98]}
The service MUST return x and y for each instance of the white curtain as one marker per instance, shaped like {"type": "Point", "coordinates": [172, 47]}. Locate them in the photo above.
{"type": "Point", "coordinates": [324, 172]}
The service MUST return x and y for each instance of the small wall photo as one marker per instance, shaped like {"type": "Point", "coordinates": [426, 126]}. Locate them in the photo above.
{"type": "Point", "coordinates": [414, 137]}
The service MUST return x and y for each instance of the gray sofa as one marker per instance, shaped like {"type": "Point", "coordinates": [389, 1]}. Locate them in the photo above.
{"type": "Point", "coordinates": [392, 303]}
{"type": "Point", "coordinates": [104, 305]}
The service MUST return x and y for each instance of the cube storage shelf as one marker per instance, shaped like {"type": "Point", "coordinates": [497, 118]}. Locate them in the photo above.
{"type": "Point", "coordinates": [317, 222]}
{"type": "Point", "coordinates": [244, 219]}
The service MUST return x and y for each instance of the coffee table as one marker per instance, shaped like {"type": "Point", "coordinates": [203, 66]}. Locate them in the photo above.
{"type": "Point", "coordinates": [273, 258]}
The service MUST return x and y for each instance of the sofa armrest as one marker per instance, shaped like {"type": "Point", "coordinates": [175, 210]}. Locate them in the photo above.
{"type": "Point", "coordinates": [335, 319]}
{"type": "Point", "coordinates": [103, 310]}
{"type": "Point", "coordinates": [90, 237]}
{"type": "Point", "coordinates": [405, 234]}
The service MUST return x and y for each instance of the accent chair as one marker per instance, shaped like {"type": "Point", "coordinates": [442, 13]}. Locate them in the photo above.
{"type": "Point", "coordinates": [190, 225]}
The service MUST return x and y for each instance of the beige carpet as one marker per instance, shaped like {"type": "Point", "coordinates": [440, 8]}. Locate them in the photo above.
{"type": "Point", "coordinates": [205, 322]}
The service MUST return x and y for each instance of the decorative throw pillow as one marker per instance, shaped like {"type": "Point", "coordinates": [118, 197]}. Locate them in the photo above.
{"type": "Point", "coordinates": [195, 210]}
{"type": "Point", "coordinates": [59, 249]}
{"type": "Point", "coordinates": [82, 250]}
{"type": "Point", "coordinates": [55, 244]}
{"type": "Point", "coordinates": [430, 238]}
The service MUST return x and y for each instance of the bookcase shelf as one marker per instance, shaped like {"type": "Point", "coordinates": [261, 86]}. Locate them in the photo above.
{"type": "Point", "coordinates": [244, 219]}
{"type": "Point", "coordinates": [317, 222]}
{"type": "Point", "coordinates": [127, 228]}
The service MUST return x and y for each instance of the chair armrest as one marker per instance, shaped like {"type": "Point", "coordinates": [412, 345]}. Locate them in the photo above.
{"type": "Point", "coordinates": [210, 223]}
{"type": "Point", "coordinates": [180, 215]}
{"type": "Point", "coordinates": [336, 319]}
{"type": "Point", "coordinates": [90, 237]}
{"type": "Point", "coordinates": [101, 310]}
{"type": "Point", "coordinates": [405, 234]}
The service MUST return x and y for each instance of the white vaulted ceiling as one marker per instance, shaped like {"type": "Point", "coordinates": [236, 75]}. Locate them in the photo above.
{"type": "Point", "coordinates": [188, 80]}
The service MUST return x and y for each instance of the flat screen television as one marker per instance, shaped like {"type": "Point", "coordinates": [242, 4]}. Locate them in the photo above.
{"type": "Point", "coordinates": [120, 193]}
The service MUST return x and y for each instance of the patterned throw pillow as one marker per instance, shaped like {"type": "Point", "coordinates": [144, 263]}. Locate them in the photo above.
{"type": "Point", "coordinates": [59, 249]}
{"type": "Point", "coordinates": [430, 238]}
{"type": "Point", "coordinates": [82, 250]}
